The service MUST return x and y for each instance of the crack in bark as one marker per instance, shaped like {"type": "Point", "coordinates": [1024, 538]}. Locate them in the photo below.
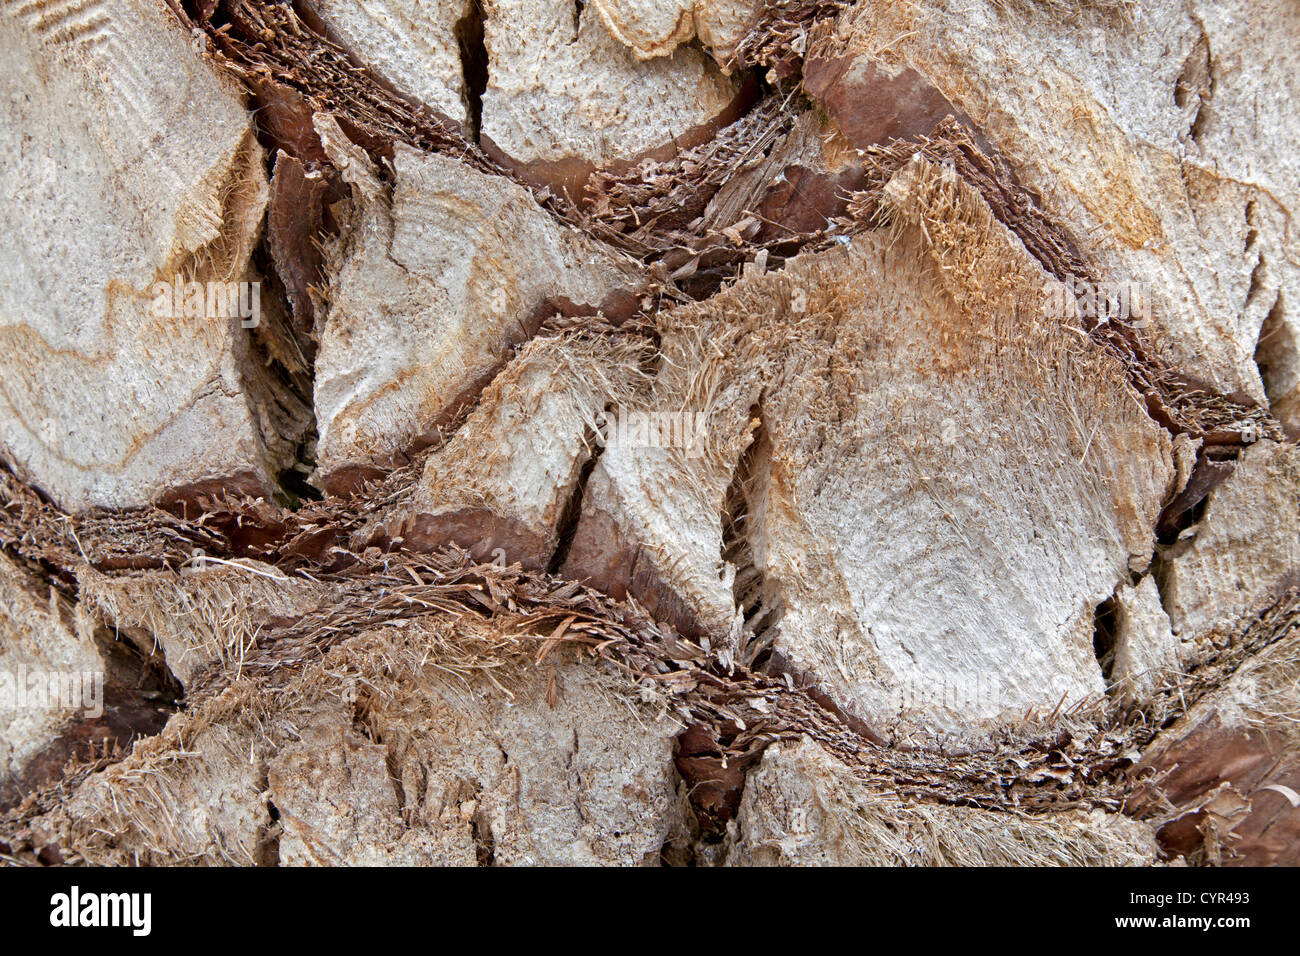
{"type": "Point", "coordinates": [469, 32]}
{"type": "Point", "coordinates": [568, 523]}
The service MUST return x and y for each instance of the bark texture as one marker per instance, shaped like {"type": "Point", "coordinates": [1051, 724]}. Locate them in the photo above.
{"type": "Point", "coordinates": [730, 432]}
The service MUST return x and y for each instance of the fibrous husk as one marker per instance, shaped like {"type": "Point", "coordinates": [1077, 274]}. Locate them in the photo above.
{"type": "Point", "coordinates": [202, 616]}
{"type": "Point", "coordinates": [429, 743]}
{"type": "Point", "coordinates": [802, 807]}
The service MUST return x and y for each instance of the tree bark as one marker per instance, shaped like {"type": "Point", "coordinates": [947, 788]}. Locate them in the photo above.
{"type": "Point", "coordinates": [641, 432]}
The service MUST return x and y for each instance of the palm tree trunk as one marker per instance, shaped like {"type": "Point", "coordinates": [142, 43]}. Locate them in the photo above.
{"type": "Point", "coordinates": [503, 432]}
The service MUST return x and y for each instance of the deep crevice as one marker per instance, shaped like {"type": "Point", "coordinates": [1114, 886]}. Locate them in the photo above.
{"type": "Point", "coordinates": [294, 479]}
{"type": "Point", "coordinates": [1104, 637]}
{"type": "Point", "coordinates": [140, 694]}
{"type": "Point", "coordinates": [269, 846]}
{"type": "Point", "coordinates": [751, 590]}
{"type": "Point", "coordinates": [1196, 82]}
{"type": "Point", "coordinates": [1188, 506]}
{"type": "Point", "coordinates": [714, 777]}
{"type": "Point", "coordinates": [282, 374]}
{"type": "Point", "coordinates": [1256, 281]}
{"type": "Point", "coordinates": [568, 523]}
{"type": "Point", "coordinates": [1277, 354]}
{"type": "Point", "coordinates": [484, 842]}
{"type": "Point", "coordinates": [471, 39]}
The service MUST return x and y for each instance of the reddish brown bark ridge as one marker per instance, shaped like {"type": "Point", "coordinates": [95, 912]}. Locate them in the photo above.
{"type": "Point", "coordinates": [873, 107]}
{"type": "Point", "coordinates": [602, 557]}
{"type": "Point", "coordinates": [487, 536]}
